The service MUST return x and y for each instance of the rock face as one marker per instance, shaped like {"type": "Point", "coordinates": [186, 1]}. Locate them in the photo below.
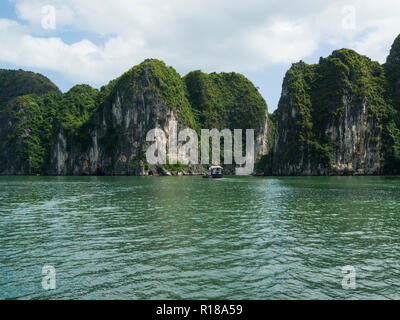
{"type": "Point", "coordinates": [392, 68]}
{"type": "Point", "coordinates": [18, 113]}
{"type": "Point", "coordinates": [28, 124]}
{"type": "Point", "coordinates": [230, 101]}
{"type": "Point", "coordinates": [113, 142]}
{"type": "Point", "coordinates": [86, 132]}
{"type": "Point", "coordinates": [338, 117]}
{"type": "Point", "coordinates": [11, 146]}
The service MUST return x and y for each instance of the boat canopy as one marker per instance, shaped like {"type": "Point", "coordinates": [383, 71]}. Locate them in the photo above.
{"type": "Point", "coordinates": [215, 167]}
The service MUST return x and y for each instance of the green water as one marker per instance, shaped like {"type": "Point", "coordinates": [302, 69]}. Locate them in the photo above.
{"type": "Point", "coordinates": [194, 238]}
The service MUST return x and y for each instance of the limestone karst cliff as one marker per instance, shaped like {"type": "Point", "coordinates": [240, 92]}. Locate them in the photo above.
{"type": "Point", "coordinates": [229, 100]}
{"type": "Point", "coordinates": [25, 117]}
{"type": "Point", "coordinates": [91, 132]}
{"type": "Point", "coordinates": [337, 117]}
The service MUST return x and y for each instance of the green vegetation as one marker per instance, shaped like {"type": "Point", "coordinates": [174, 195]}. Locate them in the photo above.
{"type": "Point", "coordinates": [316, 93]}
{"type": "Point", "coordinates": [38, 116]}
{"type": "Point", "coordinates": [392, 130]}
{"type": "Point", "coordinates": [39, 109]}
{"type": "Point", "coordinates": [298, 81]}
{"type": "Point", "coordinates": [175, 167]}
{"type": "Point", "coordinates": [314, 96]}
{"type": "Point", "coordinates": [392, 68]}
{"type": "Point", "coordinates": [171, 87]}
{"type": "Point", "coordinates": [158, 76]}
{"type": "Point", "coordinates": [272, 128]}
{"type": "Point", "coordinates": [15, 83]}
{"type": "Point", "coordinates": [392, 135]}
{"type": "Point", "coordinates": [35, 115]}
{"type": "Point", "coordinates": [346, 73]}
{"type": "Point", "coordinates": [225, 100]}
{"type": "Point", "coordinates": [76, 106]}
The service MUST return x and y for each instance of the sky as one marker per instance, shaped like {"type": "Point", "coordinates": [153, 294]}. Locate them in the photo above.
{"type": "Point", "coordinates": [95, 41]}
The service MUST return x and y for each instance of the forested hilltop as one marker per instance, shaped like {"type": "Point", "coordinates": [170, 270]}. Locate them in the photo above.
{"type": "Point", "coordinates": [102, 132]}
{"type": "Point", "coordinates": [340, 116]}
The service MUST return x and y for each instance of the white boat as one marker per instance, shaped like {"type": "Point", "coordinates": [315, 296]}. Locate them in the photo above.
{"type": "Point", "coordinates": [215, 172]}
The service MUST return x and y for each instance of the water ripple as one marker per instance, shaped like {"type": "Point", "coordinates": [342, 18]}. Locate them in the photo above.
{"type": "Point", "coordinates": [187, 237]}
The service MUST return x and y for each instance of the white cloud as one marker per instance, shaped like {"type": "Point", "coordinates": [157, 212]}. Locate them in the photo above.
{"type": "Point", "coordinates": [209, 35]}
{"type": "Point", "coordinates": [281, 42]}
{"type": "Point", "coordinates": [31, 11]}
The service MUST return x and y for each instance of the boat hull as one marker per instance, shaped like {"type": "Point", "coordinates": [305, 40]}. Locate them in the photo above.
{"type": "Point", "coordinates": [214, 176]}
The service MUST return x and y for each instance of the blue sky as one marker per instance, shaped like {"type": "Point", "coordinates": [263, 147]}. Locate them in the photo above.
{"type": "Point", "coordinates": [95, 41]}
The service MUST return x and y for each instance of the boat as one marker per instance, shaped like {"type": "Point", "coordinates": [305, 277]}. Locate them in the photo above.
{"type": "Point", "coordinates": [215, 172]}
